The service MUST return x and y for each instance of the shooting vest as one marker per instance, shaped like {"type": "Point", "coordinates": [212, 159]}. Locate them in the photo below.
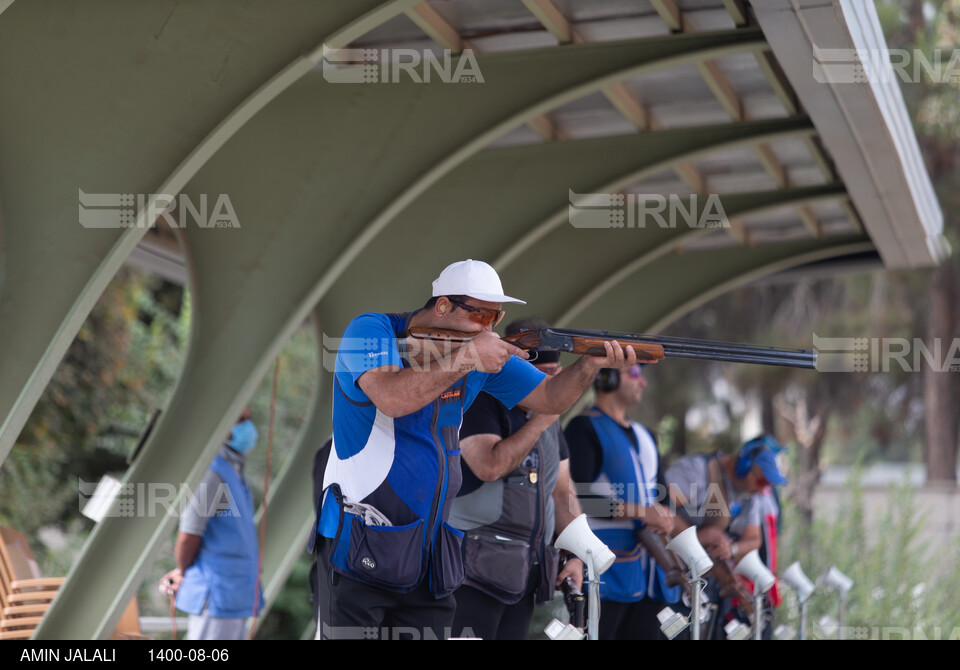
{"type": "Point", "coordinates": [628, 472]}
{"type": "Point", "coordinates": [390, 481]}
{"type": "Point", "coordinates": [508, 526]}
{"type": "Point", "coordinates": [224, 575]}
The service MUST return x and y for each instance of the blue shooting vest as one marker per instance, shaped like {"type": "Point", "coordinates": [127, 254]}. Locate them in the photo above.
{"type": "Point", "coordinates": [634, 575]}
{"type": "Point", "coordinates": [404, 469]}
{"type": "Point", "coordinates": [224, 574]}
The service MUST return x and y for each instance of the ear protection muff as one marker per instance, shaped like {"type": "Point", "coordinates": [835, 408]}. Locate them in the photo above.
{"type": "Point", "coordinates": [607, 381]}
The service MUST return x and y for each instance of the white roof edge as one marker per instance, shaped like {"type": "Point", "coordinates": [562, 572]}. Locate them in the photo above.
{"type": "Point", "coordinates": [861, 124]}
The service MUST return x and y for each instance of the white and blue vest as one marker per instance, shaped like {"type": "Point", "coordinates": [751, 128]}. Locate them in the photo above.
{"type": "Point", "coordinates": [407, 468]}
{"type": "Point", "coordinates": [629, 474]}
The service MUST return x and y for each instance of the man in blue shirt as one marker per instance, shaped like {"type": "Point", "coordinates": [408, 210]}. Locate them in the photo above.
{"type": "Point", "coordinates": [217, 551]}
{"type": "Point", "coordinates": [390, 559]}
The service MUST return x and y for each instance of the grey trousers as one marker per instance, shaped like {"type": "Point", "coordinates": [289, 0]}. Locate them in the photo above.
{"type": "Point", "coordinates": [206, 627]}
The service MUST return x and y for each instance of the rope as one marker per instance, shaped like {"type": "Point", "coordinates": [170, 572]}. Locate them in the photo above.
{"type": "Point", "coordinates": [266, 489]}
{"type": "Point", "coordinates": [173, 617]}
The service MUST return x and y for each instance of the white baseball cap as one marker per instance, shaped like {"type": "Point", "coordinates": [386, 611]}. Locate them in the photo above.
{"type": "Point", "coordinates": [472, 278]}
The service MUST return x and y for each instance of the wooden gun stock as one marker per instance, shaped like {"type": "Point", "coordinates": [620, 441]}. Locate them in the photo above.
{"type": "Point", "coordinates": [730, 586]}
{"type": "Point", "coordinates": [666, 559]}
{"type": "Point", "coordinates": [591, 346]}
{"type": "Point", "coordinates": [442, 334]}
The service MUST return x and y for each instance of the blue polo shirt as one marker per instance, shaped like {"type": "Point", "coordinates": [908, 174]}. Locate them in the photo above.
{"type": "Point", "coordinates": [408, 468]}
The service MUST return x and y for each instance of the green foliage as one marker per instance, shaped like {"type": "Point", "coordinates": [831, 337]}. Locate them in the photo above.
{"type": "Point", "coordinates": [122, 363]}
{"type": "Point", "coordinates": [900, 587]}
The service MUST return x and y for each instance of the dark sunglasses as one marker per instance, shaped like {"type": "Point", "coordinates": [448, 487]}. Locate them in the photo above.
{"type": "Point", "coordinates": [482, 315]}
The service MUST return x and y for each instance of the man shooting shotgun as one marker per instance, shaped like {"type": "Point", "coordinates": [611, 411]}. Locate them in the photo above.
{"type": "Point", "coordinates": [388, 560]}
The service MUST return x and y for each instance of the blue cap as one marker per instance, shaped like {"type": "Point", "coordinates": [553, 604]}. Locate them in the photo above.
{"type": "Point", "coordinates": [761, 451]}
{"type": "Point", "coordinates": [767, 460]}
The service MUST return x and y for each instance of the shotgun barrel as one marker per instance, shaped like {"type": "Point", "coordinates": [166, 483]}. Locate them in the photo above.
{"type": "Point", "coordinates": [649, 346]}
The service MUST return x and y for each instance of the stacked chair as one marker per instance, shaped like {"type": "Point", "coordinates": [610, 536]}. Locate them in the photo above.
{"type": "Point", "coordinates": [25, 595]}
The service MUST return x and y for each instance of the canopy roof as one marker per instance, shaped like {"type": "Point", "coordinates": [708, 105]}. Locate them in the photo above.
{"type": "Point", "coordinates": [351, 197]}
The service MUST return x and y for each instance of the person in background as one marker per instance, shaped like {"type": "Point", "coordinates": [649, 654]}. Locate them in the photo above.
{"type": "Point", "coordinates": [515, 498]}
{"type": "Point", "coordinates": [216, 581]}
{"type": "Point", "coordinates": [618, 459]}
{"type": "Point", "coordinates": [723, 496]}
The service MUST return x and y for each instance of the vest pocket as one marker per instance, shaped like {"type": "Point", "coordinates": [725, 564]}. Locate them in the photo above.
{"type": "Point", "coordinates": [549, 570]}
{"type": "Point", "coordinates": [234, 594]}
{"type": "Point", "coordinates": [447, 561]}
{"type": "Point", "coordinates": [386, 555]}
{"type": "Point", "coordinates": [499, 567]}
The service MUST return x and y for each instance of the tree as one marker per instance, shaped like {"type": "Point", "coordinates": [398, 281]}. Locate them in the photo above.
{"type": "Point", "coordinates": [936, 107]}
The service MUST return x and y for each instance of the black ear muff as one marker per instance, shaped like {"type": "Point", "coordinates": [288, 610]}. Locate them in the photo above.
{"type": "Point", "coordinates": [607, 381]}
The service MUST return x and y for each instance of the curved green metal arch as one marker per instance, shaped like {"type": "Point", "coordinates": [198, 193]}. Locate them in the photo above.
{"type": "Point", "coordinates": [12, 419]}
{"type": "Point", "coordinates": [790, 197]}
{"type": "Point", "coordinates": [700, 277]}
{"type": "Point", "coordinates": [795, 127]}
{"type": "Point", "coordinates": [758, 272]}
{"type": "Point", "coordinates": [79, 591]}
{"type": "Point", "coordinates": [746, 44]}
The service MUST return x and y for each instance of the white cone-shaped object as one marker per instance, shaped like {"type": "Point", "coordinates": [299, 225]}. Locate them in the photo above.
{"type": "Point", "coordinates": [687, 546]}
{"type": "Point", "coordinates": [579, 540]}
{"type": "Point", "coordinates": [752, 567]}
{"type": "Point", "coordinates": [837, 580]}
{"type": "Point", "coordinates": [798, 581]}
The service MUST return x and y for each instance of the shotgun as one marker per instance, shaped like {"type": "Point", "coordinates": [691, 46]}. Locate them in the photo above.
{"type": "Point", "coordinates": [730, 586]}
{"type": "Point", "coordinates": [649, 349]}
{"type": "Point", "coordinates": [576, 604]}
{"type": "Point", "coordinates": [666, 559]}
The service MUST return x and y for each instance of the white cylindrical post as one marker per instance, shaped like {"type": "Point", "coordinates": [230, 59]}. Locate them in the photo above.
{"type": "Point", "coordinates": [593, 608]}
{"type": "Point", "coordinates": [802, 634]}
{"type": "Point", "coordinates": [758, 616]}
{"type": "Point", "coordinates": [843, 603]}
{"type": "Point", "coordinates": [695, 610]}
